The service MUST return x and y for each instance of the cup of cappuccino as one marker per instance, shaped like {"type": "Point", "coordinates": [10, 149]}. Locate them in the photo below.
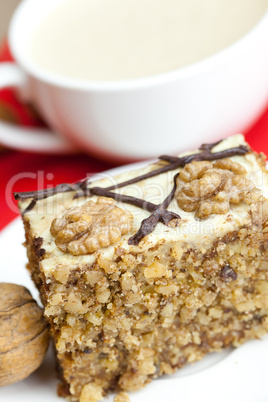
{"type": "Point", "coordinates": [133, 79]}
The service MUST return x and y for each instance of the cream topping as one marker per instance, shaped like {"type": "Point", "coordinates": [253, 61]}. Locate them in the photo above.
{"type": "Point", "coordinates": [190, 232]}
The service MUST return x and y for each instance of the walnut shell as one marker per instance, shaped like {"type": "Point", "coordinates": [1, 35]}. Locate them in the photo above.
{"type": "Point", "coordinates": [24, 334]}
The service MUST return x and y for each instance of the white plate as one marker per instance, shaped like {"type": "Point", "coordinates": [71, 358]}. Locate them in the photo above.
{"type": "Point", "coordinates": [235, 375]}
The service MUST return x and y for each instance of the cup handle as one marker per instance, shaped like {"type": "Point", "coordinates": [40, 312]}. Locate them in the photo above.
{"type": "Point", "coordinates": [24, 138]}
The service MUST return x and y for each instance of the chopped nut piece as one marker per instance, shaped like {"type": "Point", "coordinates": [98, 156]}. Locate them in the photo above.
{"type": "Point", "coordinates": [208, 188]}
{"type": "Point", "coordinates": [227, 274]}
{"type": "Point", "coordinates": [167, 290]}
{"type": "Point", "coordinates": [121, 397]}
{"type": "Point", "coordinates": [85, 229]}
{"type": "Point", "coordinates": [91, 393]}
{"type": "Point", "coordinates": [155, 270]}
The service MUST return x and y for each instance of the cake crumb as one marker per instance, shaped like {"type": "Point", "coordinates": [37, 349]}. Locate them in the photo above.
{"type": "Point", "coordinates": [121, 397]}
{"type": "Point", "coordinates": [91, 393]}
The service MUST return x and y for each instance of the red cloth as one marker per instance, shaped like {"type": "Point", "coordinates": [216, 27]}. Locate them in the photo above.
{"type": "Point", "coordinates": [21, 171]}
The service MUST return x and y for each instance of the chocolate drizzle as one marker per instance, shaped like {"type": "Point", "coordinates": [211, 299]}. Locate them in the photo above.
{"type": "Point", "coordinates": [159, 212]}
{"type": "Point", "coordinates": [41, 194]}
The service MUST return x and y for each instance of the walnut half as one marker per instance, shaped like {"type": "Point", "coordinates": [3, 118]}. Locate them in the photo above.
{"type": "Point", "coordinates": [208, 188]}
{"type": "Point", "coordinates": [91, 226]}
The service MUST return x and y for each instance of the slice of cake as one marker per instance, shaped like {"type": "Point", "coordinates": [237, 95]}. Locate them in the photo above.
{"type": "Point", "coordinates": [149, 270]}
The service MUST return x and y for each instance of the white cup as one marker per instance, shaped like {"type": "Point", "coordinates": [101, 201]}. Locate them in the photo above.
{"type": "Point", "coordinates": [141, 118]}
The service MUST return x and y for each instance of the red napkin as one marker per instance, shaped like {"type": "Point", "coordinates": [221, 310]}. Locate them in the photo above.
{"type": "Point", "coordinates": [21, 171]}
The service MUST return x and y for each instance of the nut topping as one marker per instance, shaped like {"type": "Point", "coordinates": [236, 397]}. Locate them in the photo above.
{"type": "Point", "coordinates": [258, 207]}
{"type": "Point", "coordinates": [91, 226]}
{"type": "Point", "coordinates": [208, 188]}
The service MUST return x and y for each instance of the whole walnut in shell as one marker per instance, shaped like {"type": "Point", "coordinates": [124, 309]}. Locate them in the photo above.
{"type": "Point", "coordinates": [24, 334]}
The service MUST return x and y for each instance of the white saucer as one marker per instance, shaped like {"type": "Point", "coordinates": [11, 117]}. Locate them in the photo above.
{"type": "Point", "coordinates": [34, 139]}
